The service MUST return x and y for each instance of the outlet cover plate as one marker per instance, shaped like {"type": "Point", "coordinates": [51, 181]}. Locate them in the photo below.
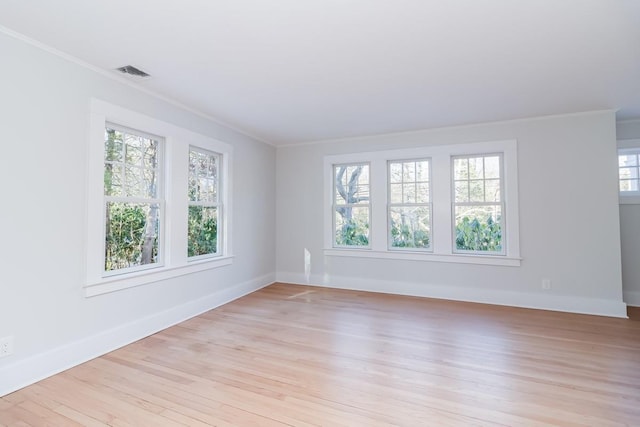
{"type": "Point", "coordinates": [6, 346]}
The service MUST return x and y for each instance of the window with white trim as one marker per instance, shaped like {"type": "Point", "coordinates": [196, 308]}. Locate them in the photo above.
{"type": "Point", "coordinates": [351, 209]}
{"type": "Point", "coordinates": [477, 204]}
{"type": "Point", "coordinates": [629, 171]}
{"type": "Point", "coordinates": [409, 212]}
{"type": "Point", "coordinates": [133, 199]}
{"type": "Point", "coordinates": [442, 203]}
{"type": "Point", "coordinates": [204, 203]}
{"type": "Point", "coordinates": [157, 200]}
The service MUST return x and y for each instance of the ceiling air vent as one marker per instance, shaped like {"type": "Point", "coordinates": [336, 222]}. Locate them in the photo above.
{"type": "Point", "coordinates": [132, 71]}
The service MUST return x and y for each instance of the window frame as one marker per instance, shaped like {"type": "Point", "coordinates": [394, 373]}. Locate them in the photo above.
{"type": "Point", "coordinates": [352, 205]}
{"type": "Point", "coordinates": [624, 147]}
{"type": "Point", "coordinates": [160, 199]}
{"type": "Point", "coordinates": [501, 203]}
{"type": "Point", "coordinates": [220, 226]}
{"type": "Point", "coordinates": [441, 184]}
{"type": "Point", "coordinates": [178, 141]}
{"type": "Point", "coordinates": [391, 205]}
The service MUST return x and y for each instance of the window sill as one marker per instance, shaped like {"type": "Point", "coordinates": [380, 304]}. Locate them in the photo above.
{"type": "Point", "coordinates": [500, 260]}
{"type": "Point", "coordinates": [117, 283]}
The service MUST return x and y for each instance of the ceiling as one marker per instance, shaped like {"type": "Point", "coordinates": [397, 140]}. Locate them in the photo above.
{"type": "Point", "coordinates": [291, 71]}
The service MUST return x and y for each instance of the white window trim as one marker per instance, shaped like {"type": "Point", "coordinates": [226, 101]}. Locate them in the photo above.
{"type": "Point", "coordinates": [159, 199]}
{"type": "Point", "coordinates": [176, 154]}
{"type": "Point", "coordinates": [454, 204]}
{"type": "Point", "coordinates": [334, 206]}
{"type": "Point", "coordinates": [442, 242]}
{"type": "Point", "coordinates": [218, 204]}
{"type": "Point", "coordinates": [628, 197]}
{"type": "Point", "coordinates": [390, 206]}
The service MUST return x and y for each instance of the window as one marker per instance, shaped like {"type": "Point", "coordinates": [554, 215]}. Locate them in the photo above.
{"type": "Point", "coordinates": [351, 211]}
{"type": "Point", "coordinates": [409, 213]}
{"type": "Point", "coordinates": [440, 203]}
{"type": "Point", "coordinates": [204, 191]}
{"type": "Point", "coordinates": [478, 207]}
{"type": "Point", "coordinates": [157, 200]}
{"type": "Point", "coordinates": [628, 169]}
{"type": "Point", "coordinates": [132, 199]}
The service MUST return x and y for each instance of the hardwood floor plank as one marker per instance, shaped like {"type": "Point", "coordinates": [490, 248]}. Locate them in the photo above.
{"type": "Point", "coordinates": [309, 356]}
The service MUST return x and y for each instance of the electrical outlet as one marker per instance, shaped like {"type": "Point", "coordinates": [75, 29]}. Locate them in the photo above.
{"type": "Point", "coordinates": [546, 284]}
{"type": "Point", "coordinates": [6, 346]}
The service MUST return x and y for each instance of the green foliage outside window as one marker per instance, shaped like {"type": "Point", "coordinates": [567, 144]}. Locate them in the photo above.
{"type": "Point", "coordinates": [473, 234]}
{"type": "Point", "coordinates": [352, 231]}
{"type": "Point", "coordinates": [410, 227]}
{"type": "Point", "coordinates": [131, 227]}
{"type": "Point", "coordinates": [404, 236]}
{"type": "Point", "coordinates": [128, 241]}
{"type": "Point", "coordinates": [203, 231]}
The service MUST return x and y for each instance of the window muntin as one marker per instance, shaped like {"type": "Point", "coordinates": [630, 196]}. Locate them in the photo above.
{"type": "Point", "coordinates": [172, 185]}
{"type": "Point", "coordinates": [204, 219]}
{"type": "Point", "coordinates": [478, 205]}
{"type": "Point", "coordinates": [409, 205]}
{"type": "Point", "coordinates": [629, 171]}
{"type": "Point", "coordinates": [351, 205]}
{"type": "Point", "coordinates": [441, 198]}
{"type": "Point", "coordinates": [133, 202]}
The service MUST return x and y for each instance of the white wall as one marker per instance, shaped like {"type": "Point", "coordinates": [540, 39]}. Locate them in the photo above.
{"type": "Point", "coordinates": [44, 111]}
{"type": "Point", "coordinates": [569, 223]}
{"type": "Point", "coordinates": [630, 230]}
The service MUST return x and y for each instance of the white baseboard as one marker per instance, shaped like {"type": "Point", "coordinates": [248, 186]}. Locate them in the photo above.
{"type": "Point", "coordinates": [542, 301]}
{"type": "Point", "coordinates": [632, 298]}
{"type": "Point", "coordinates": [30, 370]}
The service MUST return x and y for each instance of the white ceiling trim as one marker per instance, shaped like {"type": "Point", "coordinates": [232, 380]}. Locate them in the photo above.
{"type": "Point", "coordinates": [462, 126]}
{"type": "Point", "coordinates": [114, 76]}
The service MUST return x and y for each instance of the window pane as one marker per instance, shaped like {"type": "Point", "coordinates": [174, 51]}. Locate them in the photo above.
{"type": "Point", "coordinates": [476, 191]}
{"type": "Point", "coordinates": [131, 235]}
{"type": "Point", "coordinates": [150, 183]}
{"type": "Point", "coordinates": [113, 145]}
{"type": "Point", "coordinates": [203, 230]}
{"type": "Point", "coordinates": [193, 189]}
{"type": "Point", "coordinates": [396, 193]}
{"type": "Point", "coordinates": [462, 191]}
{"type": "Point", "coordinates": [460, 169]}
{"type": "Point", "coordinates": [629, 173]}
{"type": "Point", "coordinates": [492, 167]}
{"type": "Point", "coordinates": [135, 173]}
{"type": "Point", "coordinates": [476, 169]}
{"type": "Point", "coordinates": [409, 171]}
{"type": "Point", "coordinates": [340, 173]}
{"type": "Point", "coordinates": [133, 154]}
{"type": "Point", "coordinates": [478, 228]}
{"type": "Point", "coordinates": [132, 184]}
{"type": "Point", "coordinates": [410, 227]}
{"type": "Point", "coordinates": [112, 180]}
{"type": "Point", "coordinates": [361, 195]}
{"type": "Point", "coordinates": [423, 193]}
{"type": "Point", "coordinates": [492, 190]}
{"type": "Point", "coordinates": [629, 185]}
{"type": "Point", "coordinates": [203, 176]}
{"type": "Point", "coordinates": [150, 154]}
{"type": "Point", "coordinates": [352, 226]}
{"type": "Point", "coordinates": [351, 184]}
{"type": "Point", "coordinates": [140, 182]}
{"type": "Point", "coordinates": [395, 172]}
{"type": "Point", "coordinates": [422, 171]}
{"type": "Point", "coordinates": [409, 193]}
{"type": "Point", "coordinates": [627, 160]}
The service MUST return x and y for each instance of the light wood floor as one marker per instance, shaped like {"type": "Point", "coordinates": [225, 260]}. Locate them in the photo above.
{"type": "Point", "coordinates": [292, 355]}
